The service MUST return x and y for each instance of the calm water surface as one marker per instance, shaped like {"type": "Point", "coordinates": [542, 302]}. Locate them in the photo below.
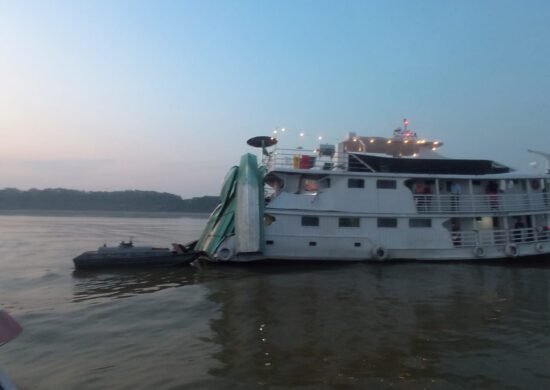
{"type": "Point", "coordinates": [405, 325]}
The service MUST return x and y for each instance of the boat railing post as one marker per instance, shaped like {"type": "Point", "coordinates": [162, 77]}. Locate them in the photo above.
{"type": "Point", "coordinates": [478, 202]}
{"type": "Point", "coordinates": [476, 237]}
{"type": "Point", "coordinates": [529, 201]}
{"type": "Point", "coordinates": [438, 195]}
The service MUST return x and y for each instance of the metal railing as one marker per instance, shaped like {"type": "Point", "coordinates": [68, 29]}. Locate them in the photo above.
{"type": "Point", "coordinates": [309, 159]}
{"type": "Point", "coordinates": [302, 159]}
{"type": "Point", "coordinates": [460, 204]}
{"type": "Point", "coordinates": [499, 237]}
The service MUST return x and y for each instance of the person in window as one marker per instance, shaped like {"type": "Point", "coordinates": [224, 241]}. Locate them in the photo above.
{"type": "Point", "coordinates": [492, 191]}
{"type": "Point", "coordinates": [310, 185]}
{"type": "Point", "coordinates": [427, 195]}
{"type": "Point", "coordinates": [518, 230]}
{"type": "Point", "coordinates": [455, 194]}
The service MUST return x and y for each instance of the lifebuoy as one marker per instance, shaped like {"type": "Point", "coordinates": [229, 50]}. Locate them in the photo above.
{"type": "Point", "coordinates": [539, 229]}
{"type": "Point", "coordinates": [225, 253]}
{"type": "Point", "coordinates": [478, 251]}
{"type": "Point", "coordinates": [379, 253]}
{"type": "Point", "coordinates": [511, 250]}
{"type": "Point", "coordinates": [539, 247]}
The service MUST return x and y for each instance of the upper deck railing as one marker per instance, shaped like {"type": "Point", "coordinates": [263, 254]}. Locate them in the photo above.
{"type": "Point", "coordinates": [307, 159]}
{"type": "Point", "coordinates": [461, 204]}
{"type": "Point", "coordinates": [304, 159]}
{"type": "Point", "coordinates": [492, 237]}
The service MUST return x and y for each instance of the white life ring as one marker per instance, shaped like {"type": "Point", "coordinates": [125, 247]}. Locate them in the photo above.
{"type": "Point", "coordinates": [539, 229]}
{"type": "Point", "coordinates": [478, 251]}
{"type": "Point", "coordinates": [511, 250]}
{"type": "Point", "coordinates": [539, 247]}
{"type": "Point", "coordinates": [225, 253]}
{"type": "Point", "coordinates": [379, 253]}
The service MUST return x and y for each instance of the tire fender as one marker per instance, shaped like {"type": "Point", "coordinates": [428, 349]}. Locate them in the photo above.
{"type": "Point", "coordinates": [478, 252]}
{"type": "Point", "coordinates": [511, 250]}
{"type": "Point", "coordinates": [225, 253]}
{"type": "Point", "coordinates": [379, 253]}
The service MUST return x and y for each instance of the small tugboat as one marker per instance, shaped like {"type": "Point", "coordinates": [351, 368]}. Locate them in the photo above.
{"type": "Point", "coordinates": [9, 329]}
{"type": "Point", "coordinates": [126, 254]}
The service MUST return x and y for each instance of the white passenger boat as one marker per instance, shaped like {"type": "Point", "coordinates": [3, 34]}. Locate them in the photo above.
{"type": "Point", "coordinates": [376, 198]}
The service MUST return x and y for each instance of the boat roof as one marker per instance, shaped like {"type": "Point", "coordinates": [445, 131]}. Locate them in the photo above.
{"type": "Point", "coordinates": [402, 154]}
{"type": "Point", "coordinates": [446, 166]}
{"type": "Point", "coordinates": [512, 175]}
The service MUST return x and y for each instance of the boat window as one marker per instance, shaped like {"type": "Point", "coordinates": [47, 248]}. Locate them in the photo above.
{"type": "Point", "coordinates": [420, 223]}
{"type": "Point", "coordinates": [349, 222]}
{"type": "Point", "coordinates": [387, 222]}
{"type": "Point", "coordinates": [356, 183]}
{"type": "Point", "coordinates": [310, 221]}
{"type": "Point", "coordinates": [324, 183]}
{"type": "Point", "coordinates": [386, 184]}
{"type": "Point", "coordinates": [269, 242]}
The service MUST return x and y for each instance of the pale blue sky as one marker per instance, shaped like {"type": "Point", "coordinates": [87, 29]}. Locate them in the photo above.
{"type": "Point", "coordinates": [163, 95]}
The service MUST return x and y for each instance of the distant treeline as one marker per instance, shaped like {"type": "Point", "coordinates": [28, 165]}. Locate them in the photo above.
{"type": "Point", "coordinates": [64, 199]}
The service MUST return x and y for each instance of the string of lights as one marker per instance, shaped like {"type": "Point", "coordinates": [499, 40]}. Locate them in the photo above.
{"type": "Point", "coordinates": [401, 136]}
{"type": "Point", "coordinates": [301, 136]}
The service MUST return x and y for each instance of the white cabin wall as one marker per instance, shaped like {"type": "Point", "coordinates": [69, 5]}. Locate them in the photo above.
{"type": "Point", "coordinates": [339, 197]}
{"type": "Point", "coordinates": [403, 236]}
{"type": "Point", "coordinates": [392, 201]}
{"type": "Point", "coordinates": [287, 233]}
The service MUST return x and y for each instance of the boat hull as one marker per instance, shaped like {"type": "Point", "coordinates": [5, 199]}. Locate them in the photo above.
{"type": "Point", "coordinates": [93, 262]}
{"type": "Point", "coordinates": [339, 249]}
{"type": "Point", "coordinates": [524, 259]}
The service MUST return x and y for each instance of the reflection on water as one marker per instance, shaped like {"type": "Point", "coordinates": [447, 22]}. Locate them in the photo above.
{"type": "Point", "coordinates": [124, 283]}
{"type": "Point", "coordinates": [401, 325]}
{"type": "Point", "coordinates": [374, 325]}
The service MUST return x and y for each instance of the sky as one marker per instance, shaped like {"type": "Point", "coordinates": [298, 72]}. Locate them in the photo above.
{"type": "Point", "coordinates": [162, 95]}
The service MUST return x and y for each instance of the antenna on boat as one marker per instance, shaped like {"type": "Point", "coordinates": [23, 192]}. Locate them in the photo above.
{"type": "Point", "coordinates": [545, 155]}
{"type": "Point", "coordinates": [262, 141]}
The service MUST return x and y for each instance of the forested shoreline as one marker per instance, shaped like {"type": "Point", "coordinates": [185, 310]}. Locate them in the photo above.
{"type": "Point", "coordinates": [131, 200]}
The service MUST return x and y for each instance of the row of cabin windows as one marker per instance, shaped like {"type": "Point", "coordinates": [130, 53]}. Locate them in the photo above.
{"type": "Point", "coordinates": [380, 222]}
{"type": "Point", "coordinates": [380, 184]}
{"type": "Point", "coordinates": [392, 184]}
{"type": "Point", "coordinates": [313, 185]}
{"type": "Point", "coordinates": [312, 243]}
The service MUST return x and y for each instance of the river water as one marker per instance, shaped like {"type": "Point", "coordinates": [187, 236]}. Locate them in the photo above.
{"type": "Point", "coordinates": [402, 325]}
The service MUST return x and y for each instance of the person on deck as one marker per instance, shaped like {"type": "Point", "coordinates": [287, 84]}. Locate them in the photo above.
{"type": "Point", "coordinates": [455, 195]}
